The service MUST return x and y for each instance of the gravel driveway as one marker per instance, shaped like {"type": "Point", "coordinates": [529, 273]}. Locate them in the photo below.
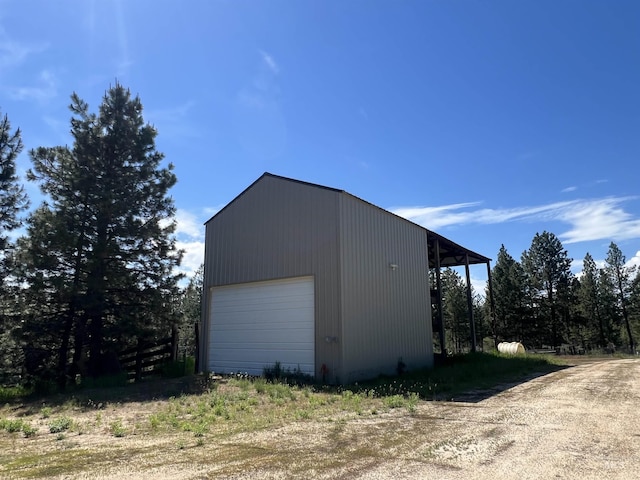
{"type": "Point", "coordinates": [579, 423]}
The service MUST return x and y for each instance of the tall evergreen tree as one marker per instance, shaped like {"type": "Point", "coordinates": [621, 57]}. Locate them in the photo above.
{"type": "Point", "coordinates": [590, 303]}
{"type": "Point", "coordinates": [13, 201]}
{"type": "Point", "coordinates": [101, 249]}
{"type": "Point", "coordinates": [620, 276]}
{"type": "Point", "coordinates": [455, 310]}
{"type": "Point", "coordinates": [634, 305]}
{"type": "Point", "coordinates": [611, 315]}
{"type": "Point", "coordinates": [190, 310]}
{"type": "Point", "coordinates": [508, 290]}
{"type": "Point", "coordinates": [547, 266]}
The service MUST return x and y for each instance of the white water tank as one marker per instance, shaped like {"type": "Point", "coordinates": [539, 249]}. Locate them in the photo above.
{"type": "Point", "coordinates": [512, 348]}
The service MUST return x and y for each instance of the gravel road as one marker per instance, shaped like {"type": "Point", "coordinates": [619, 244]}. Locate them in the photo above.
{"type": "Point", "coordinates": [579, 423]}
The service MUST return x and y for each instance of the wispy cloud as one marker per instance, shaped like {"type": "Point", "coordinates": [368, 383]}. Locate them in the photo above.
{"type": "Point", "coordinates": [258, 119]}
{"type": "Point", "coordinates": [599, 219]}
{"type": "Point", "coordinates": [45, 88]}
{"type": "Point", "coordinates": [124, 62]}
{"type": "Point", "coordinates": [15, 53]}
{"type": "Point", "coordinates": [588, 219]}
{"type": "Point", "coordinates": [270, 62]}
{"type": "Point", "coordinates": [569, 189]}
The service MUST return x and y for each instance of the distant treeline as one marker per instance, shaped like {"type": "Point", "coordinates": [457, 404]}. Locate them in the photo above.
{"type": "Point", "coordinates": [539, 302]}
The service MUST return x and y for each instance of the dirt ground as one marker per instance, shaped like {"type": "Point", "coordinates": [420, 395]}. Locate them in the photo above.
{"type": "Point", "coordinates": [580, 422]}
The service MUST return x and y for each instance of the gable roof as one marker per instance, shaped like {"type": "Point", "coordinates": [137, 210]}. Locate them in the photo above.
{"type": "Point", "coordinates": [451, 253]}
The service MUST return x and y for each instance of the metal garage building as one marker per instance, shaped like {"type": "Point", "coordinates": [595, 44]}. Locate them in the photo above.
{"type": "Point", "coordinates": [317, 279]}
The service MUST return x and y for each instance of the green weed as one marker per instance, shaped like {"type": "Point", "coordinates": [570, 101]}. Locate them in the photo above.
{"type": "Point", "coordinates": [60, 424]}
{"type": "Point", "coordinates": [117, 429]}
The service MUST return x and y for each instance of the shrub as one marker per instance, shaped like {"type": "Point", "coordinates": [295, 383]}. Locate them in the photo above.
{"type": "Point", "coordinates": [60, 424]}
{"type": "Point", "coordinates": [117, 429]}
{"type": "Point", "coordinates": [29, 430]}
{"type": "Point", "coordinates": [11, 425]}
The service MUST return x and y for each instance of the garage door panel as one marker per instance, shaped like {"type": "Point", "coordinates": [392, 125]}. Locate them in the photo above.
{"type": "Point", "coordinates": [258, 324]}
{"type": "Point", "coordinates": [271, 336]}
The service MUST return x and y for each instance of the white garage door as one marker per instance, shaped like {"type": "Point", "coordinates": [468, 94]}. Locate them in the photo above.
{"type": "Point", "coordinates": [255, 325]}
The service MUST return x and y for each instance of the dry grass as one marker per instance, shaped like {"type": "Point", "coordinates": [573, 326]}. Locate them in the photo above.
{"type": "Point", "coordinates": [238, 427]}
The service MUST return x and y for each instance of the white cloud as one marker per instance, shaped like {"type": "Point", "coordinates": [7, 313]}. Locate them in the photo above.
{"type": "Point", "coordinates": [599, 219]}
{"type": "Point", "coordinates": [437, 217]}
{"type": "Point", "coordinates": [209, 212]}
{"type": "Point", "coordinates": [44, 90]}
{"type": "Point", "coordinates": [270, 62]}
{"type": "Point", "coordinates": [193, 256]}
{"type": "Point", "coordinates": [569, 189]}
{"type": "Point", "coordinates": [190, 237]}
{"type": "Point", "coordinates": [188, 225]}
{"type": "Point", "coordinates": [634, 261]}
{"type": "Point", "coordinates": [124, 62]}
{"type": "Point", "coordinates": [590, 219]}
{"type": "Point", "coordinates": [14, 53]}
{"type": "Point", "coordinates": [479, 285]}
{"type": "Point", "coordinates": [258, 120]}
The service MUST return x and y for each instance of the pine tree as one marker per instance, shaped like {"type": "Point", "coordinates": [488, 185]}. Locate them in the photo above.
{"type": "Point", "coordinates": [455, 310]}
{"type": "Point", "coordinates": [508, 290]}
{"type": "Point", "coordinates": [547, 266]}
{"type": "Point", "coordinates": [611, 314]}
{"type": "Point", "coordinates": [634, 305]}
{"type": "Point", "coordinates": [13, 201]}
{"type": "Point", "coordinates": [620, 276]}
{"type": "Point", "coordinates": [190, 311]}
{"type": "Point", "coordinates": [590, 302]}
{"type": "Point", "coordinates": [101, 249]}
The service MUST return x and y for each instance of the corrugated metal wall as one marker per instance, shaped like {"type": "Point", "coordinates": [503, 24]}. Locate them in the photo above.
{"type": "Point", "coordinates": [277, 229]}
{"type": "Point", "coordinates": [386, 312]}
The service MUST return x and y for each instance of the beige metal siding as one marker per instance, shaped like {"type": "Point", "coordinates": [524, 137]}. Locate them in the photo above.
{"type": "Point", "coordinates": [278, 229]}
{"type": "Point", "coordinates": [386, 312]}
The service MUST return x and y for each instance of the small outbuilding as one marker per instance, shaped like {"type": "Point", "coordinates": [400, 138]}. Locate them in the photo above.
{"type": "Point", "coordinates": [318, 280]}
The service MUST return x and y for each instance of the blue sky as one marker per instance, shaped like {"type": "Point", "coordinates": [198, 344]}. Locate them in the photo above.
{"type": "Point", "coordinates": [484, 121]}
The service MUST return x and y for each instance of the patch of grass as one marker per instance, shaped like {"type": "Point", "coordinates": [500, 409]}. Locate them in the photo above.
{"type": "Point", "coordinates": [18, 425]}
{"type": "Point", "coordinates": [117, 429]}
{"type": "Point", "coordinates": [28, 430]}
{"type": "Point", "coordinates": [394, 401]}
{"type": "Point", "coordinates": [60, 424]}
{"type": "Point", "coordinates": [242, 405]}
{"type": "Point", "coordinates": [11, 425]}
{"type": "Point", "coordinates": [10, 394]}
{"type": "Point", "coordinates": [460, 374]}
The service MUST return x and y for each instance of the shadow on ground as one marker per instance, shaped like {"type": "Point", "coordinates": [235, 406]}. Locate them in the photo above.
{"type": "Point", "coordinates": [475, 396]}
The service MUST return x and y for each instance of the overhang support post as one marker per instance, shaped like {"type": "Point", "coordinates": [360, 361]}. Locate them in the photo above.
{"type": "Point", "coordinates": [472, 323]}
{"type": "Point", "coordinates": [441, 333]}
{"type": "Point", "coordinates": [492, 305]}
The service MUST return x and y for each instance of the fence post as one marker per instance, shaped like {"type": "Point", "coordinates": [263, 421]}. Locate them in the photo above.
{"type": "Point", "coordinates": [139, 361]}
{"type": "Point", "coordinates": [197, 332]}
{"type": "Point", "coordinates": [174, 343]}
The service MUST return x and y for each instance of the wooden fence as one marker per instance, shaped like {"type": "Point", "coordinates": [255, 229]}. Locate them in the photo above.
{"type": "Point", "coordinates": [143, 359]}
